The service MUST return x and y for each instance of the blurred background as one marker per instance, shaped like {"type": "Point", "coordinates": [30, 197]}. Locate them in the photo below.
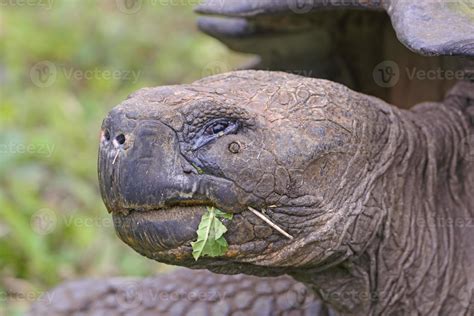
{"type": "Point", "coordinates": [63, 65]}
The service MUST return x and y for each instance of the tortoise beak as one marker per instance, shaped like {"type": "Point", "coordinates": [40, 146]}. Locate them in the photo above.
{"type": "Point", "coordinates": [141, 168]}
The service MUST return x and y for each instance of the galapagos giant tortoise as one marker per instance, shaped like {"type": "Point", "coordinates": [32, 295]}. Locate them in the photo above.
{"type": "Point", "coordinates": [379, 200]}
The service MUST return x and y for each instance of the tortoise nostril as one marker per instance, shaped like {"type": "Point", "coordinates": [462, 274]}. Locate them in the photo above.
{"type": "Point", "coordinates": [120, 139]}
{"type": "Point", "coordinates": [107, 135]}
{"type": "Point", "coordinates": [187, 169]}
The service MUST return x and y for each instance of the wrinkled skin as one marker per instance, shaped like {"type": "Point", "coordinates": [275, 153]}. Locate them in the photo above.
{"type": "Point", "coordinates": [361, 185]}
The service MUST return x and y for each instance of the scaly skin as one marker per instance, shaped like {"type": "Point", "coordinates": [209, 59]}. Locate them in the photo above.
{"type": "Point", "coordinates": [379, 200]}
{"type": "Point", "coordinates": [182, 292]}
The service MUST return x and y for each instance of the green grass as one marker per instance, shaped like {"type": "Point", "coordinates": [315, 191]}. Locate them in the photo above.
{"type": "Point", "coordinates": [53, 225]}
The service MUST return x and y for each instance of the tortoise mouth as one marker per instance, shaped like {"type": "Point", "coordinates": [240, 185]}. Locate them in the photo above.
{"type": "Point", "coordinates": [165, 235]}
{"type": "Point", "coordinates": [158, 230]}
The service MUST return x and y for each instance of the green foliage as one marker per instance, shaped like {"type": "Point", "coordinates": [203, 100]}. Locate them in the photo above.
{"type": "Point", "coordinates": [211, 241]}
{"type": "Point", "coordinates": [57, 61]}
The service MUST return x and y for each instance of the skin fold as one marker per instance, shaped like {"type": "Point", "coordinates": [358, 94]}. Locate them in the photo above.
{"type": "Point", "coordinates": [379, 200]}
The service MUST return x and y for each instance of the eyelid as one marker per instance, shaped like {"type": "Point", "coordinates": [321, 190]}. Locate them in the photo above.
{"type": "Point", "coordinates": [219, 120]}
{"type": "Point", "coordinates": [202, 139]}
{"type": "Point", "coordinates": [213, 124]}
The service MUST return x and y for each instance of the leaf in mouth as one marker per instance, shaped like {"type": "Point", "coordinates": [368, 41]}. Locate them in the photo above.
{"type": "Point", "coordinates": [211, 241]}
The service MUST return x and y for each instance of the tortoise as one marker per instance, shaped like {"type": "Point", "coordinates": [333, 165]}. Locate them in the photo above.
{"type": "Point", "coordinates": [353, 42]}
{"type": "Point", "coordinates": [377, 198]}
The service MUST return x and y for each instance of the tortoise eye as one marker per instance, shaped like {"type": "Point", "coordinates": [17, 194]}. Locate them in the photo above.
{"type": "Point", "coordinates": [216, 128]}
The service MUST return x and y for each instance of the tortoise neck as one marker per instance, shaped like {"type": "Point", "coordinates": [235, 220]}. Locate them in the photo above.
{"type": "Point", "coordinates": [422, 257]}
{"type": "Point", "coordinates": [422, 253]}
{"type": "Point", "coordinates": [419, 256]}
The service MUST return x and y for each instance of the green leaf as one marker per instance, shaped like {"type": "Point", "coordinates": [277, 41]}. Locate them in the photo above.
{"type": "Point", "coordinates": [219, 213]}
{"type": "Point", "coordinates": [199, 170]}
{"type": "Point", "coordinates": [211, 241]}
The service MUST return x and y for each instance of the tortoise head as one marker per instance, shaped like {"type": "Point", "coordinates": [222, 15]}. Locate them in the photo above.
{"type": "Point", "coordinates": [295, 148]}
